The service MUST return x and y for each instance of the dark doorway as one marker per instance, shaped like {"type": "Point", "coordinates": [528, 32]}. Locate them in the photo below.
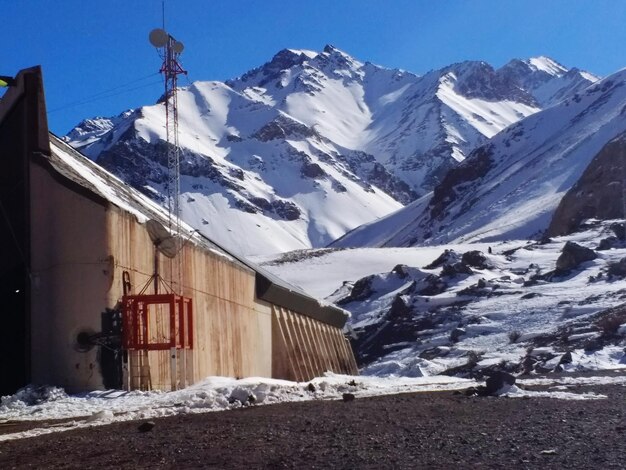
{"type": "Point", "coordinates": [14, 252]}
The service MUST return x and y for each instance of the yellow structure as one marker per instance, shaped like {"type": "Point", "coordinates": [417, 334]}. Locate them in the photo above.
{"type": "Point", "coordinates": [75, 240]}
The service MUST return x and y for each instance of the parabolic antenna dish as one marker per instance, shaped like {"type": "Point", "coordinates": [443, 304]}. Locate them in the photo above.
{"type": "Point", "coordinates": [178, 47]}
{"type": "Point", "coordinates": [158, 37]}
{"type": "Point", "coordinates": [169, 247]}
{"type": "Point", "coordinates": [163, 241]}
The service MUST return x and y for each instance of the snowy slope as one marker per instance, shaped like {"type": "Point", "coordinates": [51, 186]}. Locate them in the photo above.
{"type": "Point", "coordinates": [411, 316]}
{"type": "Point", "coordinates": [312, 144]}
{"type": "Point", "coordinates": [284, 182]}
{"type": "Point", "coordinates": [510, 187]}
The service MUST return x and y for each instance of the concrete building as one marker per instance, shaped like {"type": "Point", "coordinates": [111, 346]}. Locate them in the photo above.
{"type": "Point", "coordinates": [78, 247]}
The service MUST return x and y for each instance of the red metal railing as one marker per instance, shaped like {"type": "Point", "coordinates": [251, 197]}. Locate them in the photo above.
{"type": "Point", "coordinates": [138, 322]}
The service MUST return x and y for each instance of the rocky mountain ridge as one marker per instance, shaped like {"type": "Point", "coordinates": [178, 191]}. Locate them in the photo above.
{"type": "Point", "coordinates": [312, 144]}
{"type": "Point", "coordinates": [511, 187]}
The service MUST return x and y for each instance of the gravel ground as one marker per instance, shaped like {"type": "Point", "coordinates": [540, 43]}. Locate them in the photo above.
{"type": "Point", "coordinates": [424, 430]}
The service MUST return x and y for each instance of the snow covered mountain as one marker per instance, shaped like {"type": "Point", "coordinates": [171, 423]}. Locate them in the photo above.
{"type": "Point", "coordinates": [299, 151]}
{"type": "Point", "coordinates": [511, 187]}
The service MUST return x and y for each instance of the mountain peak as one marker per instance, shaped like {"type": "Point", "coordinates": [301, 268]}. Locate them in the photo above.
{"type": "Point", "coordinates": [332, 59]}
{"type": "Point", "coordinates": [547, 65]}
{"type": "Point", "coordinates": [336, 53]}
{"type": "Point", "coordinates": [470, 66]}
{"type": "Point", "coordinates": [330, 49]}
{"type": "Point", "coordinates": [284, 59]}
{"type": "Point", "coordinates": [287, 58]}
{"type": "Point", "coordinates": [313, 143]}
{"type": "Point", "coordinates": [540, 64]}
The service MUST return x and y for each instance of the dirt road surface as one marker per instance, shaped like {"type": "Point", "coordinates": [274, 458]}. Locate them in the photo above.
{"type": "Point", "coordinates": [425, 430]}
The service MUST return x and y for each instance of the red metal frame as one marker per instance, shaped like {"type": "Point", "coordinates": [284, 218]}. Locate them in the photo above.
{"type": "Point", "coordinates": [136, 316]}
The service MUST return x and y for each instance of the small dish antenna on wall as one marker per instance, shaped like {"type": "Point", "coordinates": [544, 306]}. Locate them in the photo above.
{"type": "Point", "coordinates": [163, 241]}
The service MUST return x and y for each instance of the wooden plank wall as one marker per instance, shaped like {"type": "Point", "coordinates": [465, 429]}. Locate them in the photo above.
{"type": "Point", "coordinates": [304, 348]}
{"type": "Point", "coordinates": [232, 331]}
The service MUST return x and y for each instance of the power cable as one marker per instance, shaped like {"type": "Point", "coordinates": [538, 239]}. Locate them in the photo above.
{"type": "Point", "coordinates": [109, 93]}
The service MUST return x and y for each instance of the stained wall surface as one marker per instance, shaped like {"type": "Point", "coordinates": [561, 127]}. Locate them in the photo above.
{"type": "Point", "coordinates": [305, 348]}
{"type": "Point", "coordinates": [81, 248]}
{"type": "Point", "coordinates": [232, 330]}
{"type": "Point", "coordinates": [72, 276]}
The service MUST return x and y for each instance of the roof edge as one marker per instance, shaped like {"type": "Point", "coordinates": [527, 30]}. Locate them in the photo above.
{"type": "Point", "coordinates": [29, 85]}
{"type": "Point", "coordinates": [299, 303]}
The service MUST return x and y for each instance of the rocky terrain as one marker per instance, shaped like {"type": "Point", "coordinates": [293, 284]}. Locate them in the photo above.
{"type": "Point", "coordinates": [464, 309]}
{"type": "Point", "coordinates": [424, 430]}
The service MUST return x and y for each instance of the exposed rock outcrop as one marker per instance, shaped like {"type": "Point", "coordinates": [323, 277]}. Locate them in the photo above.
{"type": "Point", "coordinates": [572, 255]}
{"type": "Point", "coordinates": [598, 192]}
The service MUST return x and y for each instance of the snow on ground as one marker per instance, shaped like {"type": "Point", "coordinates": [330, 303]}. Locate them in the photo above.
{"type": "Point", "coordinates": [222, 393]}
{"type": "Point", "coordinates": [402, 369]}
{"type": "Point", "coordinates": [499, 323]}
{"type": "Point", "coordinates": [516, 392]}
{"type": "Point", "coordinates": [565, 381]}
{"type": "Point", "coordinates": [320, 276]}
{"type": "Point", "coordinates": [212, 394]}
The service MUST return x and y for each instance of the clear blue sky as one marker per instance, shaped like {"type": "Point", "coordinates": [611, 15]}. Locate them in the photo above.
{"type": "Point", "coordinates": [87, 47]}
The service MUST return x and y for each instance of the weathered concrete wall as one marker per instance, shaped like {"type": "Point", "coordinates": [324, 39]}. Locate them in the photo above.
{"type": "Point", "coordinates": [71, 275]}
{"type": "Point", "coordinates": [80, 245]}
{"type": "Point", "coordinates": [304, 348]}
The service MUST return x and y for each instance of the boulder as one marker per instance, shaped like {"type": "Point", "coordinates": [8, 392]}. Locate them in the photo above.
{"type": "Point", "coordinates": [451, 270]}
{"type": "Point", "coordinates": [455, 335]}
{"type": "Point", "coordinates": [607, 243]}
{"type": "Point", "coordinates": [566, 358]}
{"type": "Point", "coordinates": [618, 269]}
{"type": "Point", "coordinates": [475, 259]}
{"type": "Point", "coordinates": [399, 308]}
{"type": "Point", "coordinates": [573, 255]}
{"type": "Point", "coordinates": [146, 426]}
{"type": "Point", "coordinates": [312, 170]}
{"type": "Point", "coordinates": [499, 382]}
{"type": "Point", "coordinates": [361, 290]}
{"type": "Point", "coordinates": [401, 270]}
{"type": "Point", "coordinates": [447, 257]}
{"type": "Point", "coordinates": [431, 285]}
{"type": "Point", "coordinates": [619, 230]}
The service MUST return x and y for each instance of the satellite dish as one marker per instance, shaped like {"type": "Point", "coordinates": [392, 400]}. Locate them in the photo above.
{"type": "Point", "coordinates": [158, 37]}
{"type": "Point", "coordinates": [177, 47]}
{"type": "Point", "coordinates": [162, 239]}
{"type": "Point", "coordinates": [169, 247]}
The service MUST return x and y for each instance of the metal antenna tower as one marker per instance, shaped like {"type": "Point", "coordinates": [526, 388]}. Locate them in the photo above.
{"type": "Point", "coordinates": [169, 51]}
